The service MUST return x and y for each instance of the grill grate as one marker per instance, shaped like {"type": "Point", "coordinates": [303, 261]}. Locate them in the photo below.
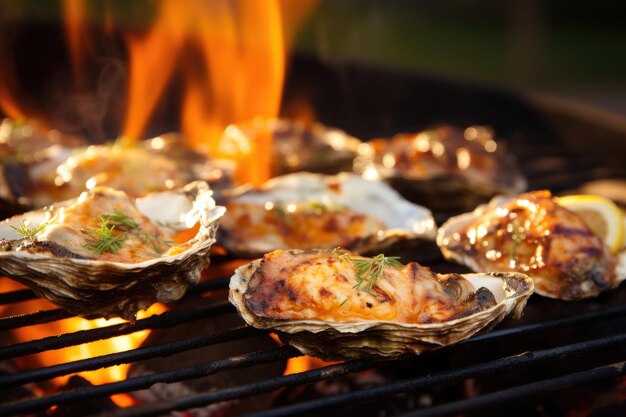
{"type": "Point", "coordinates": [589, 345]}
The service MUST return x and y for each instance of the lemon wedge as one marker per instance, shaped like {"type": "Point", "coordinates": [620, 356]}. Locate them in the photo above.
{"type": "Point", "coordinates": [600, 214]}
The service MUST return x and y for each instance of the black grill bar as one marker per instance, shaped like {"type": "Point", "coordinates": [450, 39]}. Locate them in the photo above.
{"type": "Point", "coordinates": [16, 296]}
{"type": "Point", "coordinates": [104, 361]}
{"type": "Point", "coordinates": [143, 382]}
{"type": "Point", "coordinates": [590, 316]}
{"type": "Point", "coordinates": [525, 360]}
{"type": "Point", "coordinates": [167, 319]}
{"type": "Point", "coordinates": [248, 390]}
{"type": "Point", "coordinates": [40, 317]}
{"type": "Point", "coordinates": [523, 391]}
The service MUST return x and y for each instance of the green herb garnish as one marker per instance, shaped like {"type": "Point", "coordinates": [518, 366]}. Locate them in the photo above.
{"type": "Point", "coordinates": [121, 221]}
{"type": "Point", "coordinates": [103, 239]}
{"type": "Point", "coordinates": [154, 241]}
{"type": "Point", "coordinates": [25, 230]}
{"type": "Point", "coordinates": [367, 271]}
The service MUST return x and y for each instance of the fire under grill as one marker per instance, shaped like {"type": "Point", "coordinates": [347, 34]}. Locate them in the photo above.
{"type": "Point", "coordinates": [561, 357]}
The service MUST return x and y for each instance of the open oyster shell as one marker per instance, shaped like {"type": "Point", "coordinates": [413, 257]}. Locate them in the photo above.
{"type": "Point", "coordinates": [61, 263]}
{"type": "Point", "coordinates": [531, 233]}
{"type": "Point", "coordinates": [444, 168]}
{"type": "Point", "coordinates": [299, 147]}
{"type": "Point", "coordinates": [409, 310]}
{"type": "Point", "coordinates": [305, 211]}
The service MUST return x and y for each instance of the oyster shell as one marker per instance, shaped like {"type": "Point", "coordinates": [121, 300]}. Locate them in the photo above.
{"type": "Point", "coordinates": [532, 234]}
{"type": "Point", "coordinates": [103, 254]}
{"type": "Point", "coordinates": [300, 147]}
{"type": "Point", "coordinates": [305, 211]}
{"type": "Point", "coordinates": [309, 297]}
{"type": "Point", "coordinates": [444, 168]}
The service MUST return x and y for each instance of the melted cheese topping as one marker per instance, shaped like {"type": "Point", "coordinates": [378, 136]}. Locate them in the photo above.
{"type": "Point", "coordinates": [266, 228]}
{"type": "Point", "coordinates": [317, 286]}
{"type": "Point", "coordinates": [73, 227]}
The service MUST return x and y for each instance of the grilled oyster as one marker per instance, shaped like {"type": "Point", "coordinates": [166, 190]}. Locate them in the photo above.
{"type": "Point", "coordinates": [444, 168]}
{"type": "Point", "coordinates": [299, 147]}
{"type": "Point", "coordinates": [531, 233]}
{"type": "Point", "coordinates": [340, 305]}
{"type": "Point", "coordinates": [104, 254]}
{"type": "Point", "coordinates": [158, 164]}
{"type": "Point", "coordinates": [28, 159]}
{"type": "Point", "coordinates": [305, 211]}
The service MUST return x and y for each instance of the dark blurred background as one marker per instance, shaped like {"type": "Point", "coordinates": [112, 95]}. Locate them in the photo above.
{"type": "Point", "coordinates": [575, 49]}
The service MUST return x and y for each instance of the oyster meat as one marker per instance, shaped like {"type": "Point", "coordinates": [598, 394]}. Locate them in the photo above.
{"type": "Point", "coordinates": [104, 254]}
{"type": "Point", "coordinates": [532, 234]}
{"type": "Point", "coordinates": [299, 147]}
{"type": "Point", "coordinates": [339, 305]}
{"type": "Point", "coordinates": [306, 211]}
{"type": "Point", "coordinates": [444, 168]}
{"type": "Point", "coordinates": [157, 164]}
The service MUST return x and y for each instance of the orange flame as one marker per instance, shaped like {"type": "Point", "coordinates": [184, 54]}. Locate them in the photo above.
{"type": "Point", "coordinates": [73, 353]}
{"type": "Point", "coordinates": [304, 363]}
{"type": "Point", "coordinates": [233, 68]}
{"type": "Point", "coordinates": [75, 12]}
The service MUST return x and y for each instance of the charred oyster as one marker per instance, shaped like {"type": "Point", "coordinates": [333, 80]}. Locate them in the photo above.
{"type": "Point", "coordinates": [339, 305]}
{"type": "Point", "coordinates": [533, 234]}
{"type": "Point", "coordinates": [300, 147]}
{"type": "Point", "coordinates": [104, 254]}
{"type": "Point", "coordinates": [444, 168]}
{"type": "Point", "coordinates": [305, 211]}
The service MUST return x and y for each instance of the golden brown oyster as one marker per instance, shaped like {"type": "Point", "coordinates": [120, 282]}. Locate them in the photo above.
{"type": "Point", "coordinates": [104, 254]}
{"type": "Point", "coordinates": [336, 304]}
{"type": "Point", "coordinates": [297, 146]}
{"type": "Point", "coordinates": [306, 211]}
{"type": "Point", "coordinates": [444, 168]}
{"type": "Point", "coordinates": [532, 233]}
{"type": "Point", "coordinates": [159, 164]}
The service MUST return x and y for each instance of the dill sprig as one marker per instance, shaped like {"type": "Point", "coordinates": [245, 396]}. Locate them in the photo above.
{"type": "Point", "coordinates": [103, 239]}
{"type": "Point", "coordinates": [26, 230]}
{"type": "Point", "coordinates": [367, 270]}
{"type": "Point", "coordinates": [154, 241]}
{"type": "Point", "coordinates": [121, 221]}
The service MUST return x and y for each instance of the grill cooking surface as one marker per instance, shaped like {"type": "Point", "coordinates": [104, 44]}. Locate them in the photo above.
{"type": "Point", "coordinates": [555, 346]}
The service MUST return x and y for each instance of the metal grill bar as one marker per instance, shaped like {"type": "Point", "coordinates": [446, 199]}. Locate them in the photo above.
{"type": "Point", "coordinates": [16, 296]}
{"type": "Point", "coordinates": [248, 390]}
{"type": "Point", "coordinates": [526, 360]}
{"type": "Point", "coordinates": [142, 382]}
{"type": "Point", "coordinates": [167, 319]}
{"type": "Point", "coordinates": [523, 391]}
{"type": "Point", "coordinates": [40, 317]}
{"type": "Point", "coordinates": [104, 361]}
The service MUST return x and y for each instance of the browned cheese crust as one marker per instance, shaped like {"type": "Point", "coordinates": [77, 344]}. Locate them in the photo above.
{"type": "Point", "coordinates": [315, 285]}
{"type": "Point", "coordinates": [254, 225]}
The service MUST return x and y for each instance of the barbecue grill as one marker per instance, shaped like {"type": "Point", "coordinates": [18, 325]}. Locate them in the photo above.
{"type": "Point", "coordinates": [528, 367]}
